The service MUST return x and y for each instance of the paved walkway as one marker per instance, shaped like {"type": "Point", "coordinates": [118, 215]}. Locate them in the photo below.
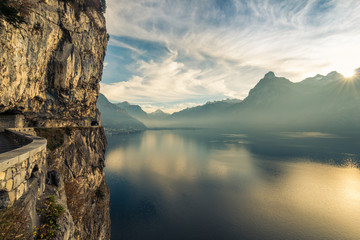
{"type": "Point", "coordinates": [7, 144]}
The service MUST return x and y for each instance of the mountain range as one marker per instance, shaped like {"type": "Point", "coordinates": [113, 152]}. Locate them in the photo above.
{"type": "Point", "coordinates": [320, 103]}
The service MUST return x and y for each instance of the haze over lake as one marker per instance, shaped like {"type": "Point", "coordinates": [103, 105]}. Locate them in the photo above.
{"type": "Point", "coordinates": [207, 184]}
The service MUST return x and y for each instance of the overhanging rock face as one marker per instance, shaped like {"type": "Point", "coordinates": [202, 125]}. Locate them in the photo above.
{"type": "Point", "coordinates": [51, 67]}
{"type": "Point", "coordinates": [20, 168]}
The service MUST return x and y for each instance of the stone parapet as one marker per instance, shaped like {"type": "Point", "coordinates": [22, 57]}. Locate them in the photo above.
{"type": "Point", "coordinates": [27, 130]}
{"type": "Point", "coordinates": [19, 167]}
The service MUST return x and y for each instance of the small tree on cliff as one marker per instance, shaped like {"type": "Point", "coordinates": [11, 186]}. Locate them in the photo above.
{"type": "Point", "coordinates": [100, 5]}
{"type": "Point", "coordinates": [103, 6]}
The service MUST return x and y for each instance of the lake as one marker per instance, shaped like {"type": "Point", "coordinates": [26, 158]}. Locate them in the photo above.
{"type": "Point", "coordinates": [202, 184]}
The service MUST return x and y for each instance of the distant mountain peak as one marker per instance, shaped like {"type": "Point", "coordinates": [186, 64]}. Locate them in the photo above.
{"type": "Point", "coordinates": [158, 111]}
{"type": "Point", "coordinates": [319, 77]}
{"type": "Point", "coordinates": [158, 115]}
{"type": "Point", "coordinates": [334, 74]}
{"type": "Point", "coordinates": [134, 110]}
{"type": "Point", "coordinates": [270, 75]}
{"type": "Point", "coordinates": [272, 79]}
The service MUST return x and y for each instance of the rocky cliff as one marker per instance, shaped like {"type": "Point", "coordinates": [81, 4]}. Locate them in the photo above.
{"type": "Point", "coordinates": [50, 68]}
{"type": "Point", "coordinates": [76, 177]}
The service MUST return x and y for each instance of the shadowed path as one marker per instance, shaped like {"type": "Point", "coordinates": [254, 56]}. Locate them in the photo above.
{"type": "Point", "coordinates": [6, 144]}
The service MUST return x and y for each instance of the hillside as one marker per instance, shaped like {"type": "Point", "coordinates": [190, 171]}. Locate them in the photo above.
{"type": "Point", "coordinates": [133, 110]}
{"type": "Point", "coordinates": [158, 115]}
{"type": "Point", "coordinates": [206, 110]}
{"type": "Point", "coordinates": [114, 117]}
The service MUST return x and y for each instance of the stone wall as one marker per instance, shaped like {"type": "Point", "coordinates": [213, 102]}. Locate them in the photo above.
{"type": "Point", "coordinates": [19, 168]}
{"type": "Point", "coordinates": [11, 121]}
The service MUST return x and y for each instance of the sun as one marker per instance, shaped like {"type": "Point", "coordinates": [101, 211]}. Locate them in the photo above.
{"type": "Point", "coordinates": [347, 72]}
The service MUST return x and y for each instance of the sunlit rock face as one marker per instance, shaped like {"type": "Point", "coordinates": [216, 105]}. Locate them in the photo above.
{"type": "Point", "coordinates": [51, 66]}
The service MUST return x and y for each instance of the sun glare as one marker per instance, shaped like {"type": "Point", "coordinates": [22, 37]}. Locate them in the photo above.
{"type": "Point", "coordinates": [347, 72]}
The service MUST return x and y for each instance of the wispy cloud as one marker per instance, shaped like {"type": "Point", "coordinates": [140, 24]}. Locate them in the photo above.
{"type": "Point", "coordinates": [168, 81]}
{"type": "Point", "coordinates": [117, 43]}
{"type": "Point", "coordinates": [219, 49]}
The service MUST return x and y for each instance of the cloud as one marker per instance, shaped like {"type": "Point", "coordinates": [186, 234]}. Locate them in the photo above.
{"type": "Point", "coordinates": [117, 43]}
{"type": "Point", "coordinates": [219, 49]}
{"type": "Point", "coordinates": [168, 82]}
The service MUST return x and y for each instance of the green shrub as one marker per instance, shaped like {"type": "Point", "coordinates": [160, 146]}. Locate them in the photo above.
{"type": "Point", "coordinates": [49, 213]}
{"type": "Point", "coordinates": [54, 136]}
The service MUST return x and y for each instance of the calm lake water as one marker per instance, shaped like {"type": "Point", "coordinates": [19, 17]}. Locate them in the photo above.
{"type": "Point", "coordinates": [197, 184]}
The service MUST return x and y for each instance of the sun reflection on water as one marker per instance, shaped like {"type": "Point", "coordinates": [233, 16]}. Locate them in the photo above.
{"type": "Point", "coordinates": [200, 180]}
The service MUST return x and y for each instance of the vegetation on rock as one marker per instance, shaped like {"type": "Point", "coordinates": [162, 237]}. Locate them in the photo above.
{"type": "Point", "coordinates": [49, 212]}
{"type": "Point", "coordinates": [99, 5]}
{"type": "Point", "coordinates": [54, 136]}
{"type": "Point", "coordinates": [14, 223]}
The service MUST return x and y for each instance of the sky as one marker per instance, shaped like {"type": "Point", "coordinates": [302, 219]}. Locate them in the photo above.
{"type": "Point", "coordinates": [174, 54]}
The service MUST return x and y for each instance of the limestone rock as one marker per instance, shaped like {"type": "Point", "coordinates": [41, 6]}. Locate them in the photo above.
{"type": "Point", "coordinates": [50, 68]}
{"type": "Point", "coordinates": [2, 176]}
{"type": "Point", "coordinates": [9, 185]}
{"type": "Point", "coordinates": [11, 196]}
{"type": "Point", "coordinates": [9, 174]}
{"type": "Point", "coordinates": [17, 180]}
{"type": "Point", "coordinates": [20, 191]}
